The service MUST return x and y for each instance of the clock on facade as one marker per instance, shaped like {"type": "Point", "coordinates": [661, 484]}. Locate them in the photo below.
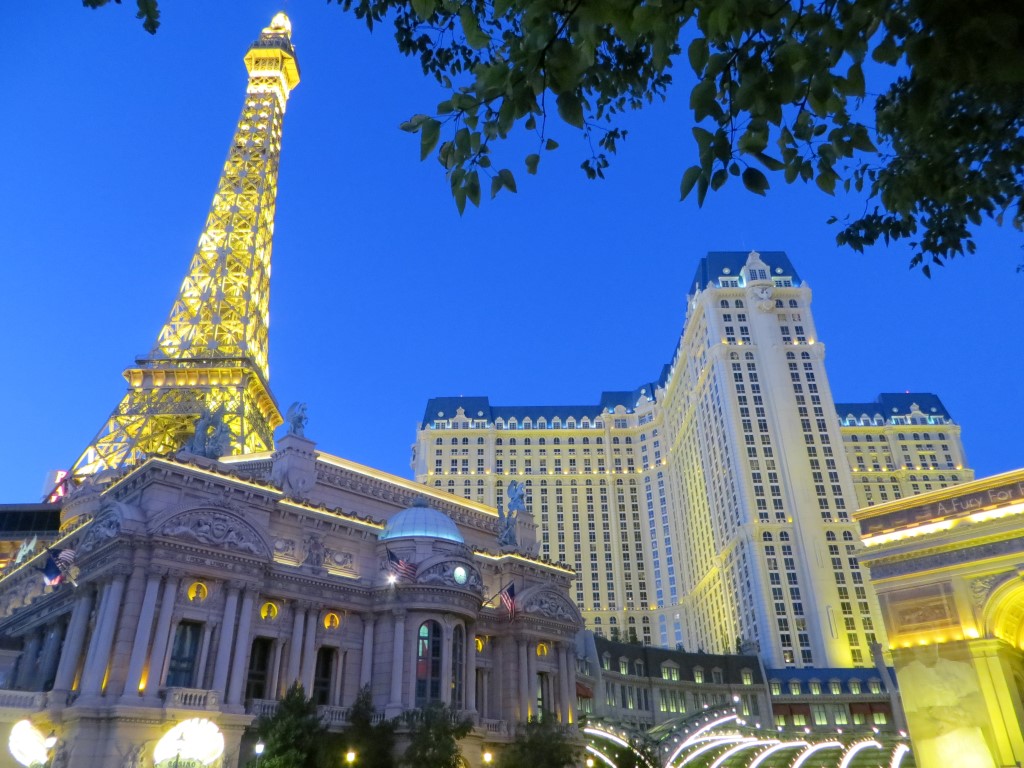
{"type": "Point", "coordinates": [459, 574]}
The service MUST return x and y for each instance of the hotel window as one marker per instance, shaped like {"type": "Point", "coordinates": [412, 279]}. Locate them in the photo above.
{"type": "Point", "coordinates": [323, 676]}
{"type": "Point", "coordinates": [259, 664]}
{"type": "Point", "coordinates": [428, 663]}
{"type": "Point", "coordinates": [181, 671]}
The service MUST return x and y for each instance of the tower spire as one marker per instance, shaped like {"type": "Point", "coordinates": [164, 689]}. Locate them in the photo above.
{"type": "Point", "coordinates": [209, 366]}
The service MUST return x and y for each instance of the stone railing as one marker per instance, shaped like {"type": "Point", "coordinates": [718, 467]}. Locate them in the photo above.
{"type": "Point", "coordinates": [492, 727]}
{"type": "Point", "coordinates": [191, 698]}
{"type": "Point", "coordinates": [261, 707]}
{"type": "Point", "coordinates": [22, 699]}
{"type": "Point", "coordinates": [333, 716]}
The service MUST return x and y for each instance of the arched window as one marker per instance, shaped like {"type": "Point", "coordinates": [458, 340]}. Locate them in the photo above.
{"type": "Point", "coordinates": [428, 663]}
{"type": "Point", "coordinates": [458, 656]}
{"type": "Point", "coordinates": [739, 304]}
{"type": "Point", "coordinates": [723, 304]}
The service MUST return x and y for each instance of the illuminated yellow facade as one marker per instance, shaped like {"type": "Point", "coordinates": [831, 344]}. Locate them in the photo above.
{"type": "Point", "coordinates": [211, 356]}
{"type": "Point", "coordinates": [946, 567]}
{"type": "Point", "coordinates": [900, 445]}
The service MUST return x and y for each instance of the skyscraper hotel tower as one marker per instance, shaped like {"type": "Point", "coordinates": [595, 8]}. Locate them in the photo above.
{"type": "Point", "coordinates": [710, 508]}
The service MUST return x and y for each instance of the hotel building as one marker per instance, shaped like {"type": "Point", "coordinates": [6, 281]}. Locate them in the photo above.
{"type": "Point", "coordinates": [710, 509]}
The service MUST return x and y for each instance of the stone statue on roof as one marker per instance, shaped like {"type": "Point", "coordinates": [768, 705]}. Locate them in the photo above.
{"type": "Point", "coordinates": [516, 504]}
{"type": "Point", "coordinates": [296, 419]}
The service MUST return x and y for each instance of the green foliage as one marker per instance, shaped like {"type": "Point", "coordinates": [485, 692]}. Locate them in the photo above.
{"type": "Point", "coordinates": [779, 87]}
{"type": "Point", "coordinates": [917, 104]}
{"type": "Point", "coordinates": [434, 735]}
{"type": "Point", "coordinates": [542, 743]}
{"type": "Point", "coordinates": [148, 12]}
{"type": "Point", "coordinates": [373, 743]}
{"type": "Point", "coordinates": [294, 736]}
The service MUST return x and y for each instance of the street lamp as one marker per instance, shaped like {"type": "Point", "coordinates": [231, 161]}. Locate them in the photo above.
{"type": "Point", "coordinates": [590, 762]}
{"type": "Point", "coordinates": [350, 758]}
{"type": "Point", "coordinates": [258, 749]}
{"type": "Point", "coordinates": [487, 758]}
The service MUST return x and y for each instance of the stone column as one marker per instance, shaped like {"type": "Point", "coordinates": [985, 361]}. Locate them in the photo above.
{"type": "Point", "coordinates": [275, 671]}
{"type": "Point", "coordinates": [49, 656]}
{"type": "Point", "coordinates": [161, 635]}
{"type": "Point", "coordinates": [295, 649]}
{"type": "Point", "coordinates": [98, 656]}
{"type": "Point", "coordinates": [469, 676]}
{"type": "Point", "coordinates": [143, 632]}
{"type": "Point", "coordinates": [565, 683]}
{"type": "Point", "coordinates": [309, 651]}
{"type": "Point", "coordinates": [75, 638]}
{"type": "Point", "coordinates": [242, 645]}
{"type": "Point", "coordinates": [366, 663]}
{"type": "Point", "coordinates": [222, 662]}
{"type": "Point", "coordinates": [524, 676]}
{"type": "Point", "coordinates": [395, 705]}
{"type": "Point", "coordinates": [446, 661]}
{"type": "Point", "coordinates": [532, 681]}
{"type": "Point", "coordinates": [27, 660]}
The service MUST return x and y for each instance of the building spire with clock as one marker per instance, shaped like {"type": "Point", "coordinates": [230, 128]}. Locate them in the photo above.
{"type": "Point", "coordinates": [205, 384]}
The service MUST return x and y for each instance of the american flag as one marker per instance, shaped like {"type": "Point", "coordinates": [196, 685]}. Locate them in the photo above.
{"type": "Point", "coordinates": [402, 569]}
{"type": "Point", "coordinates": [57, 567]}
{"type": "Point", "coordinates": [508, 599]}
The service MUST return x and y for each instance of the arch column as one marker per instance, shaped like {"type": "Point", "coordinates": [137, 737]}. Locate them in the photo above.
{"type": "Point", "coordinates": [222, 662]}
{"type": "Point", "coordinates": [98, 656]}
{"type": "Point", "coordinates": [161, 635]}
{"type": "Point", "coordinates": [366, 661]}
{"type": "Point", "coordinates": [524, 676]}
{"type": "Point", "coordinates": [50, 655]}
{"type": "Point", "coordinates": [395, 705]}
{"type": "Point", "coordinates": [75, 638]}
{"type": "Point", "coordinates": [469, 676]}
{"type": "Point", "coordinates": [242, 645]}
{"type": "Point", "coordinates": [27, 661]}
{"type": "Point", "coordinates": [295, 649]}
{"type": "Point", "coordinates": [143, 633]}
{"type": "Point", "coordinates": [566, 680]}
{"type": "Point", "coordinates": [446, 661]}
{"type": "Point", "coordinates": [309, 651]}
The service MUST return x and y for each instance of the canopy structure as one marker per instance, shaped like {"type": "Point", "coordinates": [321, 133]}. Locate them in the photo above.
{"type": "Point", "coordinates": [722, 738]}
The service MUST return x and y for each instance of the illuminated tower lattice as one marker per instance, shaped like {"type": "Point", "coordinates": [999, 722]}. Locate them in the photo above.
{"type": "Point", "coordinates": [210, 357]}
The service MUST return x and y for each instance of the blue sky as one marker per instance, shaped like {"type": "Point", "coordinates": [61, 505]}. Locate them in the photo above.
{"type": "Point", "coordinates": [382, 295]}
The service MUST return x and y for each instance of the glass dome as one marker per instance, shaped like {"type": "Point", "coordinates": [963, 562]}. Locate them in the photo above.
{"type": "Point", "coordinates": [421, 521]}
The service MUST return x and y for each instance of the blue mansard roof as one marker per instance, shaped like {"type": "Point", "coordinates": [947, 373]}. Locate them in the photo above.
{"type": "Point", "coordinates": [713, 266]}
{"type": "Point", "coordinates": [889, 404]}
{"type": "Point", "coordinates": [481, 408]}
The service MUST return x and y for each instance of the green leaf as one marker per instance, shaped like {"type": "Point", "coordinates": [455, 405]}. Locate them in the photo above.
{"type": "Point", "coordinates": [698, 54]}
{"type": "Point", "coordinates": [507, 179]}
{"type": "Point", "coordinates": [425, 9]}
{"type": "Point", "coordinates": [702, 189]}
{"type": "Point", "coordinates": [755, 181]}
{"type": "Point", "coordinates": [473, 188]}
{"type": "Point", "coordinates": [531, 163]}
{"type": "Point", "coordinates": [495, 186]}
{"type": "Point", "coordinates": [570, 109]}
{"type": "Point", "coordinates": [471, 27]}
{"type": "Point", "coordinates": [690, 177]}
{"type": "Point", "coordinates": [769, 162]}
{"type": "Point", "coordinates": [413, 123]}
{"type": "Point", "coordinates": [551, 144]}
{"type": "Point", "coordinates": [430, 132]}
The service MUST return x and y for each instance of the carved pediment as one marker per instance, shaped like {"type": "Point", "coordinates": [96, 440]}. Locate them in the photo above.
{"type": "Point", "coordinates": [550, 604]}
{"type": "Point", "coordinates": [445, 573]}
{"type": "Point", "coordinates": [213, 528]}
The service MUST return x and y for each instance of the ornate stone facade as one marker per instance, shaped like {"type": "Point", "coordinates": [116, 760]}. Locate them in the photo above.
{"type": "Point", "coordinates": [205, 591]}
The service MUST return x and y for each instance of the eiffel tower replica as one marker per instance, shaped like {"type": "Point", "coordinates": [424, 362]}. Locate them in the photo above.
{"type": "Point", "coordinates": [204, 385]}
